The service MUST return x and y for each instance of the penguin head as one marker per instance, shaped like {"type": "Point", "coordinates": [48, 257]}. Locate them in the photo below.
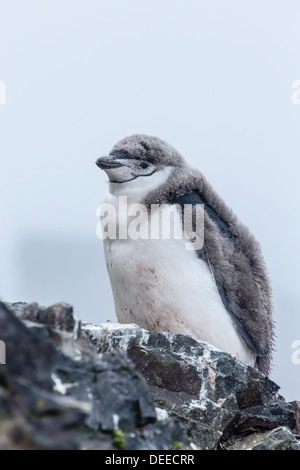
{"type": "Point", "coordinates": [139, 164]}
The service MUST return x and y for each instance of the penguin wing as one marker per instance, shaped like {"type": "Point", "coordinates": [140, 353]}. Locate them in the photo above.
{"type": "Point", "coordinates": [195, 198]}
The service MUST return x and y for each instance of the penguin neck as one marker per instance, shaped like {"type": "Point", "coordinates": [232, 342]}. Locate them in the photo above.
{"type": "Point", "coordinates": [138, 189]}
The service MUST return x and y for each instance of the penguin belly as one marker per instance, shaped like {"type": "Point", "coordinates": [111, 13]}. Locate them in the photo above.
{"type": "Point", "coordinates": [162, 286]}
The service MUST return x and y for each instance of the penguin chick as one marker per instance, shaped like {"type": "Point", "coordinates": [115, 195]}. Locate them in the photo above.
{"type": "Point", "coordinates": [219, 292]}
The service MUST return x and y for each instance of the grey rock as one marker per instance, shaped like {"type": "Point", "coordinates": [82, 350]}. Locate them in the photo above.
{"type": "Point", "coordinates": [296, 409]}
{"type": "Point", "coordinates": [53, 400]}
{"type": "Point", "coordinates": [28, 356]}
{"type": "Point", "coordinates": [278, 439]}
{"type": "Point", "coordinates": [210, 392]}
{"type": "Point", "coordinates": [269, 416]}
{"type": "Point", "coordinates": [166, 435]}
{"type": "Point", "coordinates": [16, 307]}
{"type": "Point", "coordinates": [113, 386]}
{"type": "Point", "coordinates": [59, 315]}
{"type": "Point", "coordinates": [31, 415]}
{"type": "Point", "coordinates": [118, 395]}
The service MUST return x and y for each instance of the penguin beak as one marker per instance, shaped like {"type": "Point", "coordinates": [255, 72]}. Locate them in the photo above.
{"type": "Point", "coordinates": [106, 163]}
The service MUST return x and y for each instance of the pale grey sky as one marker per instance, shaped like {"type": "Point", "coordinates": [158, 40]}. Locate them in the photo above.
{"type": "Point", "coordinates": [212, 78]}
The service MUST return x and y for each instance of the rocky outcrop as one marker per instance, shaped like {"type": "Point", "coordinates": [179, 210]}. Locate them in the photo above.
{"type": "Point", "coordinates": [71, 385]}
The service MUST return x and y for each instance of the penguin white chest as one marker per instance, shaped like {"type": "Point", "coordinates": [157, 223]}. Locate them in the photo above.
{"type": "Point", "coordinates": [162, 286]}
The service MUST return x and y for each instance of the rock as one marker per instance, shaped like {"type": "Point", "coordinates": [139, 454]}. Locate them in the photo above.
{"type": "Point", "coordinates": [269, 416]}
{"type": "Point", "coordinates": [53, 400]}
{"type": "Point", "coordinates": [31, 415]}
{"type": "Point", "coordinates": [113, 386]}
{"type": "Point", "coordinates": [59, 315]}
{"type": "Point", "coordinates": [211, 393]}
{"type": "Point", "coordinates": [296, 409]}
{"type": "Point", "coordinates": [278, 439]}
{"type": "Point", "coordinates": [28, 356]}
{"type": "Point", "coordinates": [118, 394]}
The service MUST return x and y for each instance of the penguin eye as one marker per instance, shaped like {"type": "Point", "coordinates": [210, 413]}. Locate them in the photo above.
{"type": "Point", "coordinates": [144, 165]}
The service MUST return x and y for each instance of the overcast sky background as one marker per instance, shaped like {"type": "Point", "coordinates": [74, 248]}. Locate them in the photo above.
{"type": "Point", "coordinates": [212, 78]}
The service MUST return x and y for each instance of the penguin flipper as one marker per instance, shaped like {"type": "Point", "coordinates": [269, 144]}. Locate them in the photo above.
{"type": "Point", "coordinates": [194, 198]}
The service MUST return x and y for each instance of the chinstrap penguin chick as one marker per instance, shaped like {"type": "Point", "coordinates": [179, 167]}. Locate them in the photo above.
{"type": "Point", "coordinates": [220, 293]}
